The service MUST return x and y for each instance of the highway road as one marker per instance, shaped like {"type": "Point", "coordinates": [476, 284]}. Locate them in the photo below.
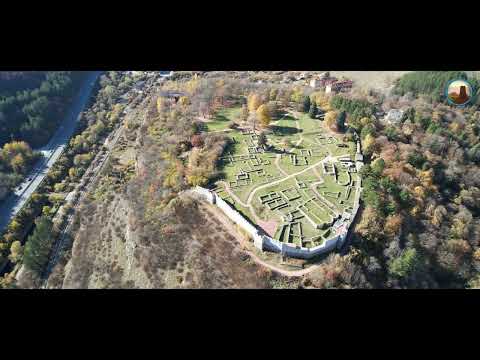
{"type": "Point", "coordinates": [51, 152]}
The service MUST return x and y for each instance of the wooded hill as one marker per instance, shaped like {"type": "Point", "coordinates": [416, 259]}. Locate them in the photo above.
{"type": "Point", "coordinates": [32, 105]}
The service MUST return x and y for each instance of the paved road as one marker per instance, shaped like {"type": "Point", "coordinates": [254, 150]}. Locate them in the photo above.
{"type": "Point", "coordinates": [51, 152]}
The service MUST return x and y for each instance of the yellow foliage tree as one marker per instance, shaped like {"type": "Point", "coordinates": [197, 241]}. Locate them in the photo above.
{"type": "Point", "coordinates": [173, 174]}
{"type": "Point", "coordinates": [331, 119]}
{"type": "Point", "coordinates": [369, 144]}
{"type": "Point", "coordinates": [254, 101]}
{"type": "Point", "coordinates": [184, 100]}
{"type": "Point", "coordinates": [72, 172]}
{"type": "Point", "coordinates": [365, 121]}
{"type": "Point", "coordinates": [196, 180]}
{"type": "Point", "coordinates": [264, 115]}
{"type": "Point", "coordinates": [476, 255]}
{"type": "Point", "coordinates": [16, 251]}
{"type": "Point", "coordinates": [18, 163]}
{"type": "Point", "coordinates": [297, 95]}
{"type": "Point", "coordinates": [14, 227]}
{"type": "Point", "coordinates": [438, 215]}
{"type": "Point", "coordinates": [320, 99]}
{"type": "Point", "coordinates": [273, 94]}
{"type": "Point", "coordinates": [415, 211]}
{"type": "Point", "coordinates": [192, 84]}
{"type": "Point", "coordinates": [419, 192]}
{"type": "Point", "coordinates": [426, 178]}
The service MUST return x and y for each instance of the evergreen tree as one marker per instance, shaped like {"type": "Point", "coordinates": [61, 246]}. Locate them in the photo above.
{"type": "Point", "coordinates": [405, 264]}
{"type": "Point", "coordinates": [262, 139]}
{"type": "Point", "coordinates": [313, 110]}
{"type": "Point", "coordinates": [38, 245]}
{"type": "Point", "coordinates": [341, 121]}
{"type": "Point", "coordinates": [306, 104]}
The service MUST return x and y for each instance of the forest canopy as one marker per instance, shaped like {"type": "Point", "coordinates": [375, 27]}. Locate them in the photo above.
{"type": "Point", "coordinates": [431, 83]}
{"type": "Point", "coordinates": [31, 106]}
{"type": "Point", "coordinates": [31, 113]}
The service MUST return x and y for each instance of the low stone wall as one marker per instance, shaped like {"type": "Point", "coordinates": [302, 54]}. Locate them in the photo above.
{"type": "Point", "coordinates": [303, 253]}
{"type": "Point", "coordinates": [264, 242]}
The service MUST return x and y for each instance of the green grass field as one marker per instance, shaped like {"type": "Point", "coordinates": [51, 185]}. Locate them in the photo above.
{"type": "Point", "coordinates": [222, 118]}
{"type": "Point", "coordinates": [303, 200]}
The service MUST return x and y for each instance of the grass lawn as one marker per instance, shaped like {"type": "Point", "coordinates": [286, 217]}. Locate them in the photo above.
{"type": "Point", "coordinates": [222, 118]}
{"type": "Point", "coordinates": [307, 130]}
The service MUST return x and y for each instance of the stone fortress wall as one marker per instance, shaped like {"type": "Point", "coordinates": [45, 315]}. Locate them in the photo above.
{"type": "Point", "coordinates": [265, 242]}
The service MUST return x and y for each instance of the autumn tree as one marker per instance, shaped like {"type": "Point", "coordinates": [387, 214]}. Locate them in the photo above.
{"type": "Point", "coordinates": [369, 145]}
{"type": "Point", "coordinates": [253, 102]}
{"type": "Point", "coordinates": [370, 224]}
{"type": "Point", "coordinates": [72, 173]}
{"type": "Point", "coordinates": [297, 95]}
{"type": "Point", "coordinates": [330, 119]}
{"type": "Point", "coordinates": [197, 140]}
{"type": "Point", "coordinates": [393, 224]}
{"type": "Point", "coordinates": [263, 115]}
{"type": "Point", "coordinates": [273, 94]}
{"type": "Point", "coordinates": [16, 251]}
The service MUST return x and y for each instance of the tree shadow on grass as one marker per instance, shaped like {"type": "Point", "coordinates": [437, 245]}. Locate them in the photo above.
{"type": "Point", "coordinates": [284, 130]}
{"type": "Point", "coordinates": [220, 174]}
{"type": "Point", "coordinates": [220, 117]}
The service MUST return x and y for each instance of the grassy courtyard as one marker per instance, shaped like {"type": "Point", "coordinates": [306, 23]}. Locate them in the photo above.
{"type": "Point", "coordinates": [296, 188]}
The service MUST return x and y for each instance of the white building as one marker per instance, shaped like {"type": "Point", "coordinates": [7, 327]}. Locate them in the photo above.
{"type": "Point", "coordinates": [165, 74]}
{"type": "Point", "coordinates": [394, 116]}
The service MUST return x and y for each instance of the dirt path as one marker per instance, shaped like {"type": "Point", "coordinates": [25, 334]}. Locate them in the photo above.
{"type": "Point", "coordinates": [241, 240]}
{"type": "Point", "coordinates": [318, 174]}
{"type": "Point", "coordinates": [277, 164]}
{"type": "Point", "coordinates": [297, 125]}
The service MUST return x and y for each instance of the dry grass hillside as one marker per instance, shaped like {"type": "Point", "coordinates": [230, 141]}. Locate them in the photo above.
{"type": "Point", "coordinates": [110, 252]}
{"type": "Point", "coordinates": [134, 233]}
{"type": "Point", "coordinates": [370, 79]}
